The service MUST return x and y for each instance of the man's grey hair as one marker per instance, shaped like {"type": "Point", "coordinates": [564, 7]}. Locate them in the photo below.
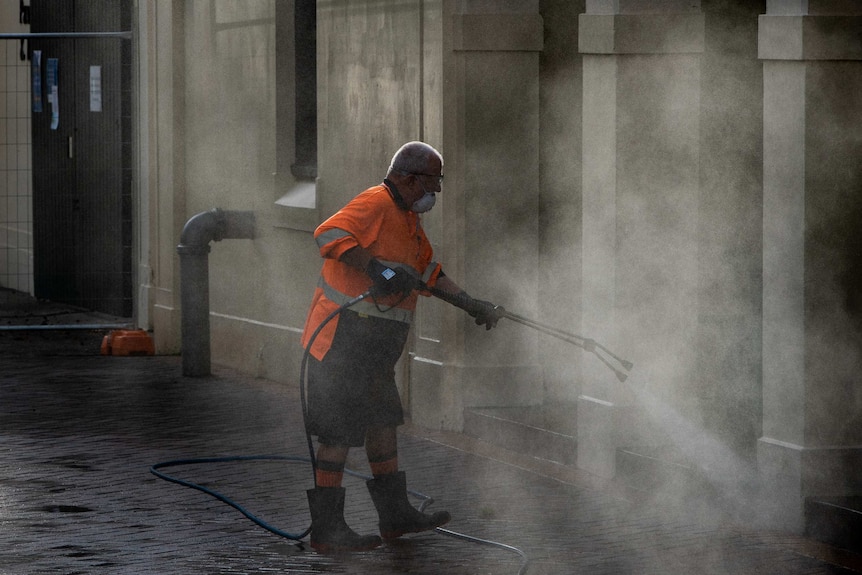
{"type": "Point", "coordinates": [413, 158]}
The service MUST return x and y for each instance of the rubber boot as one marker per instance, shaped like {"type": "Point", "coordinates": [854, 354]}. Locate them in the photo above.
{"type": "Point", "coordinates": [397, 515]}
{"type": "Point", "coordinates": [329, 532]}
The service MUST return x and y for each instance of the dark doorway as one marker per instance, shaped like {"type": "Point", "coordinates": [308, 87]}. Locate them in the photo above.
{"type": "Point", "coordinates": [82, 160]}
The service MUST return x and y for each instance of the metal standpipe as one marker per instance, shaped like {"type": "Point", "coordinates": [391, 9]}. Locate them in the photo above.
{"type": "Point", "coordinates": [213, 225]}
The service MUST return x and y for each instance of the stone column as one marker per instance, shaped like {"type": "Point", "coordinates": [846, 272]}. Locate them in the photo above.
{"type": "Point", "coordinates": [167, 209]}
{"type": "Point", "coordinates": [641, 85]}
{"type": "Point", "coordinates": [481, 90]}
{"type": "Point", "coordinates": [812, 214]}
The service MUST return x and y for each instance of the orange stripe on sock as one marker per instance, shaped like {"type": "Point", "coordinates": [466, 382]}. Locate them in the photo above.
{"type": "Point", "coordinates": [325, 478]}
{"type": "Point", "coordinates": [387, 467]}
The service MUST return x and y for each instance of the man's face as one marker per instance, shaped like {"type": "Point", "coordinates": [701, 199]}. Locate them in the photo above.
{"type": "Point", "coordinates": [428, 181]}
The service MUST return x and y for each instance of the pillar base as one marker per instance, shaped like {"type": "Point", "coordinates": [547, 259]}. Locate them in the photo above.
{"type": "Point", "coordinates": [794, 472]}
{"type": "Point", "coordinates": [597, 436]}
{"type": "Point", "coordinates": [439, 392]}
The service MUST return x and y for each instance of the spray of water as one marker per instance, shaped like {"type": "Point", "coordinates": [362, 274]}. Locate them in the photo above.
{"type": "Point", "coordinates": [731, 479]}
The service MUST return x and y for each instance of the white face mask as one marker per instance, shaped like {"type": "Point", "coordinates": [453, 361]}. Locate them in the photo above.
{"type": "Point", "coordinates": [424, 203]}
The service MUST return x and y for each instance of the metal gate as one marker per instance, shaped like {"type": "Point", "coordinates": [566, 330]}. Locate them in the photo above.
{"type": "Point", "coordinates": [82, 154]}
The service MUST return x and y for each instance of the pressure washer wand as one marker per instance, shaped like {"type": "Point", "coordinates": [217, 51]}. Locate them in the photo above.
{"type": "Point", "coordinates": [585, 343]}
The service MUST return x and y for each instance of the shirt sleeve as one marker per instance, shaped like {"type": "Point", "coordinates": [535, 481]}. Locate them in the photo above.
{"type": "Point", "coordinates": [356, 224]}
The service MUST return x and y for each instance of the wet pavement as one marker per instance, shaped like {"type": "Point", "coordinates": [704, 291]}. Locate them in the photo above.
{"type": "Point", "coordinates": [80, 431]}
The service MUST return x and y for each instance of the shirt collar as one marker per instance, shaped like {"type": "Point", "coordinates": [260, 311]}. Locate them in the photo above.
{"type": "Point", "coordinates": [395, 194]}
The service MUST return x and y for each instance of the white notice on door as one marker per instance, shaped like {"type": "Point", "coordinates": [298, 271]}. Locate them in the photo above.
{"type": "Point", "coordinates": [95, 88]}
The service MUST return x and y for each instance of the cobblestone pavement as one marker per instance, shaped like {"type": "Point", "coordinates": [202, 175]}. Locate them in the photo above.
{"type": "Point", "coordinates": [79, 432]}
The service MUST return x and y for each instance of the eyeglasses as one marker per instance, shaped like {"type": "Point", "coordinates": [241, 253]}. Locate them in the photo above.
{"type": "Point", "coordinates": [438, 176]}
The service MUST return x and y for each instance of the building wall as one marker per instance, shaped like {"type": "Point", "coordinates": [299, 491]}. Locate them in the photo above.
{"type": "Point", "coordinates": [488, 220]}
{"type": "Point", "coordinates": [16, 191]}
{"type": "Point", "coordinates": [606, 176]}
{"type": "Point", "coordinates": [811, 66]}
{"type": "Point", "coordinates": [213, 78]}
{"type": "Point", "coordinates": [218, 143]}
{"type": "Point", "coordinates": [560, 203]}
{"type": "Point", "coordinates": [370, 68]}
{"type": "Point", "coordinates": [727, 377]}
{"type": "Point", "coordinates": [833, 212]}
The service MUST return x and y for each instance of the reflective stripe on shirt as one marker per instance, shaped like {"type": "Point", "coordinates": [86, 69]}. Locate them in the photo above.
{"type": "Point", "coordinates": [365, 307]}
{"type": "Point", "coordinates": [330, 236]}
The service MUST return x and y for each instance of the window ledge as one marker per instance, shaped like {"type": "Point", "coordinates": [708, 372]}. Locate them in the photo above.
{"type": "Point", "coordinates": [297, 208]}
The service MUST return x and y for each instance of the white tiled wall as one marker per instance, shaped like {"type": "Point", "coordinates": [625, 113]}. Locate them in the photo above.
{"type": "Point", "coordinates": [16, 191]}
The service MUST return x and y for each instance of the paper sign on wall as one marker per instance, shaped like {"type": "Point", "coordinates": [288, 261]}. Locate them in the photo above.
{"type": "Point", "coordinates": [36, 78]}
{"type": "Point", "coordinates": [53, 93]}
{"type": "Point", "coordinates": [95, 88]}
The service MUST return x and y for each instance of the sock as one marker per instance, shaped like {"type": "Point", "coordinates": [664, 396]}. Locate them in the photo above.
{"type": "Point", "coordinates": [328, 474]}
{"type": "Point", "coordinates": [384, 465]}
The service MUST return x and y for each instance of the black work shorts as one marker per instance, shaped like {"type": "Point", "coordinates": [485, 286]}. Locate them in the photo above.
{"type": "Point", "coordinates": [353, 388]}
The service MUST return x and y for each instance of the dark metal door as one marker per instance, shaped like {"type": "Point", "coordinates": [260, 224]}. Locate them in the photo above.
{"type": "Point", "coordinates": [82, 216]}
{"type": "Point", "coordinates": [56, 208]}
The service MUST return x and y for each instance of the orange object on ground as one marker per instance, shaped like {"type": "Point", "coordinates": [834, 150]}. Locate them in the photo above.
{"type": "Point", "coordinates": [127, 342]}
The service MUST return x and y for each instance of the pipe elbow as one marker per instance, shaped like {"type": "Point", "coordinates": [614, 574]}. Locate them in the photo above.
{"type": "Point", "coordinates": [214, 225]}
{"type": "Point", "coordinates": [203, 228]}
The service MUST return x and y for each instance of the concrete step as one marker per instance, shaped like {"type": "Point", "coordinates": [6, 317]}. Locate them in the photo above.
{"type": "Point", "coordinates": [835, 520]}
{"type": "Point", "coordinates": [546, 432]}
{"type": "Point", "coordinates": [660, 471]}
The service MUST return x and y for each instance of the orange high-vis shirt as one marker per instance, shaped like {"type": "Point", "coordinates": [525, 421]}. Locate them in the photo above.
{"type": "Point", "coordinates": [391, 234]}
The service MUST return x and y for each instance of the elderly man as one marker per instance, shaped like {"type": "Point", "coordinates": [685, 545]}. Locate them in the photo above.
{"type": "Point", "coordinates": [374, 242]}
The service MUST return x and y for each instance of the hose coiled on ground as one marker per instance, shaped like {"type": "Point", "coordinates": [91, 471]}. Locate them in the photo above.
{"type": "Point", "coordinates": [426, 500]}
